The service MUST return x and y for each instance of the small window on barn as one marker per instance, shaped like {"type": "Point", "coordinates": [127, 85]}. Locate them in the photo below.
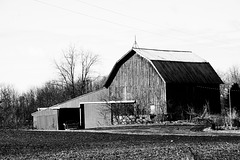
{"type": "Point", "coordinates": [152, 109]}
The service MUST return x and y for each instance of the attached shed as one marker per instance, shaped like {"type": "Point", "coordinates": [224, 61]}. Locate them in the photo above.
{"type": "Point", "coordinates": [85, 110]}
{"type": "Point", "coordinates": [45, 119]}
{"type": "Point", "coordinates": [167, 80]}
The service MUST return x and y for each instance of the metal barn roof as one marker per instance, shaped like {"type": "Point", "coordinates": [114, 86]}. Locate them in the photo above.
{"type": "Point", "coordinates": [187, 72]}
{"type": "Point", "coordinates": [173, 66]}
{"type": "Point", "coordinates": [168, 55]}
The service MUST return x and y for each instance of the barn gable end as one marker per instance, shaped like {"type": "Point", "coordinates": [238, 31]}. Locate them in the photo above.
{"type": "Point", "coordinates": [138, 80]}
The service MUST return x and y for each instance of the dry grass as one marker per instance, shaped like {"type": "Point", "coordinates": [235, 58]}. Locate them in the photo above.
{"type": "Point", "coordinates": [85, 145]}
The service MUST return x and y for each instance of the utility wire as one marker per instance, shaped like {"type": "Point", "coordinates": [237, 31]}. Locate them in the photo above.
{"type": "Point", "coordinates": [80, 13]}
{"type": "Point", "coordinates": [130, 17]}
{"type": "Point", "coordinates": [108, 21]}
{"type": "Point", "coordinates": [141, 20]}
{"type": "Point", "coordinates": [93, 17]}
{"type": "Point", "coordinates": [118, 13]}
{"type": "Point", "coordinates": [119, 24]}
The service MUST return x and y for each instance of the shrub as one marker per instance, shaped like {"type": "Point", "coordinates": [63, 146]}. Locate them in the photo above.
{"type": "Point", "coordinates": [207, 122]}
{"type": "Point", "coordinates": [159, 118]}
{"type": "Point", "coordinates": [219, 121]}
{"type": "Point", "coordinates": [232, 120]}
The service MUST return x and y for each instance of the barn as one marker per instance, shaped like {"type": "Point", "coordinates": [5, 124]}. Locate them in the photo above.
{"type": "Point", "coordinates": [142, 82]}
{"type": "Point", "coordinates": [165, 82]}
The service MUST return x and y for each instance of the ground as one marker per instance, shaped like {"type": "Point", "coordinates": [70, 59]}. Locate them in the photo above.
{"type": "Point", "coordinates": [123, 144]}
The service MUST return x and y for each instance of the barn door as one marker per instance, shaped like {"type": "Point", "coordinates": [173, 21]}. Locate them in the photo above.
{"type": "Point", "coordinates": [82, 117]}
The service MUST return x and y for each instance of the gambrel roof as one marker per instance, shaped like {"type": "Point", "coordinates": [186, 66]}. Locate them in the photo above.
{"type": "Point", "coordinates": [172, 66]}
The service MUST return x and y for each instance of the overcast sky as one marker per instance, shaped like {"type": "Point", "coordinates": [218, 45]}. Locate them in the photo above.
{"type": "Point", "coordinates": [34, 32]}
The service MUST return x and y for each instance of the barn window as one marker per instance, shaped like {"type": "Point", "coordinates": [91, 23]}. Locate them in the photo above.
{"type": "Point", "coordinates": [152, 109]}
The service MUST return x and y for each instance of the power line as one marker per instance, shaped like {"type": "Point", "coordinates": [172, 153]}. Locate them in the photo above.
{"type": "Point", "coordinates": [130, 17]}
{"type": "Point", "coordinates": [93, 17]}
{"type": "Point", "coordinates": [105, 20]}
{"type": "Point", "coordinates": [118, 13]}
{"type": "Point", "coordinates": [80, 13]}
{"type": "Point", "coordinates": [123, 25]}
{"type": "Point", "coordinates": [141, 20]}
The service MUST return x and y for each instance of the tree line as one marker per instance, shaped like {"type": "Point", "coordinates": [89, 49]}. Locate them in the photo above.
{"type": "Point", "coordinates": [230, 90]}
{"type": "Point", "coordinates": [75, 78]}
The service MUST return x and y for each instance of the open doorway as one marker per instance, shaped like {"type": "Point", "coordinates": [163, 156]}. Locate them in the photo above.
{"type": "Point", "coordinates": [69, 118]}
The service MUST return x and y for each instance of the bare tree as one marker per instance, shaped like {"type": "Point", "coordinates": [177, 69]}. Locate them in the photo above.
{"type": "Point", "coordinates": [66, 69]}
{"type": "Point", "coordinates": [8, 107]}
{"type": "Point", "coordinates": [88, 60]}
{"type": "Point", "coordinates": [50, 94]}
{"type": "Point", "coordinates": [234, 74]}
{"type": "Point", "coordinates": [74, 70]}
{"type": "Point", "coordinates": [99, 82]}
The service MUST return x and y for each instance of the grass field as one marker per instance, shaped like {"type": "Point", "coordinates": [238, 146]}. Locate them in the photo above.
{"type": "Point", "coordinates": [17, 144]}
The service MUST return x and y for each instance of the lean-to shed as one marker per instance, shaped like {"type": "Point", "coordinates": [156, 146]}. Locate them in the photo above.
{"type": "Point", "coordinates": [169, 81]}
{"type": "Point", "coordinates": [84, 110]}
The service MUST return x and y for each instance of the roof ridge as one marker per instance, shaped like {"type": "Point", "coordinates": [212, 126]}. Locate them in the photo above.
{"type": "Point", "coordinates": [178, 61]}
{"type": "Point", "coordinates": [162, 50]}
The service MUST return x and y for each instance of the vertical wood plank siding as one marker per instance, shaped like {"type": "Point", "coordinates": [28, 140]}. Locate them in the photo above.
{"type": "Point", "coordinates": [139, 81]}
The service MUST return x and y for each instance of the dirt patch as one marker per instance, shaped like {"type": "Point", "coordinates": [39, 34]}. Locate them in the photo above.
{"type": "Point", "coordinates": [17, 144]}
{"type": "Point", "coordinates": [182, 129]}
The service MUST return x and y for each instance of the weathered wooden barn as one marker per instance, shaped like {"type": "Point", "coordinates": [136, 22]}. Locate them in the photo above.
{"type": "Point", "coordinates": [155, 81]}
{"type": "Point", "coordinates": [169, 81]}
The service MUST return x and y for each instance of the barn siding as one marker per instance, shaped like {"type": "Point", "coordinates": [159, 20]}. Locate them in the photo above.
{"type": "Point", "coordinates": [46, 119]}
{"type": "Point", "coordinates": [138, 80]}
{"type": "Point", "coordinates": [96, 116]}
